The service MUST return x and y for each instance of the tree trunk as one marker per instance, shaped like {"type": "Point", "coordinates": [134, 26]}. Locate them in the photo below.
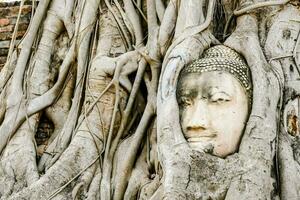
{"type": "Point", "coordinates": [93, 112]}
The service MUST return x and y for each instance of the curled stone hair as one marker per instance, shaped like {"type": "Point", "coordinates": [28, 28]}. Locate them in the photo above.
{"type": "Point", "coordinates": [222, 58]}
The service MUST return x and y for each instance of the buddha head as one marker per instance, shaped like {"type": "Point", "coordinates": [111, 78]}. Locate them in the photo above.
{"type": "Point", "coordinates": [214, 97]}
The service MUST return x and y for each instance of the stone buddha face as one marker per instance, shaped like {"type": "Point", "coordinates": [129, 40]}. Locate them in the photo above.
{"type": "Point", "coordinates": [214, 107]}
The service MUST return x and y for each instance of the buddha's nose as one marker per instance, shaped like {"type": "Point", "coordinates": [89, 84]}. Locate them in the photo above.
{"type": "Point", "coordinates": [199, 118]}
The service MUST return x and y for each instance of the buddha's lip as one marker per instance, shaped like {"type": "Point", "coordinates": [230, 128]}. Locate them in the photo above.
{"type": "Point", "coordinates": [202, 134]}
{"type": "Point", "coordinates": [199, 138]}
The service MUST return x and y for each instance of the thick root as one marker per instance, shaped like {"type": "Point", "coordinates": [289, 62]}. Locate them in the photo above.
{"type": "Point", "coordinates": [19, 158]}
{"type": "Point", "coordinates": [78, 156]}
{"type": "Point", "coordinates": [94, 189]}
{"type": "Point", "coordinates": [139, 174]}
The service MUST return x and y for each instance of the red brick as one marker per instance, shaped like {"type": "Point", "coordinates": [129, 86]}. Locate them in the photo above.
{"type": "Point", "coordinates": [8, 28]}
{"type": "Point", "coordinates": [15, 3]}
{"type": "Point", "coordinates": [8, 35]}
{"type": "Point", "coordinates": [4, 22]}
{"type": "Point", "coordinates": [8, 17]}
{"type": "Point", "coordinates": [23, 20]}
{"type": "Point", "coordinates": [12, 20]}
{"type": "Point", "coordinates": [14, 11]}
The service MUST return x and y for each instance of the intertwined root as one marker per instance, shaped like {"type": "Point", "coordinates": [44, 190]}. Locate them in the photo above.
{"type": "Point", "coordinates": [79, 156]}
{"type": "Point", "coordinates": [92, 160]}
{"type": "Point", "coordinates": [20, 172]}
{"type": "Point", "coordinates": [79, 167]}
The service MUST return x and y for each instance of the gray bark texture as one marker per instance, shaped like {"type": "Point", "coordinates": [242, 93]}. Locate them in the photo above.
{"type": "Point", "coordinates": [88, 105]}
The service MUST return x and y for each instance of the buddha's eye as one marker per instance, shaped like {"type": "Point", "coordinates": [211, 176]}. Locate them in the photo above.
{"type": "Point", "coordinates": [220, 97]}
{"type": "Point", "coordinates": [185, 101]}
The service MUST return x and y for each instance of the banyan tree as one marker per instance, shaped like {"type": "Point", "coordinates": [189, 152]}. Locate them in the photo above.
{"type": "Point", "coordinates": [153, 99]}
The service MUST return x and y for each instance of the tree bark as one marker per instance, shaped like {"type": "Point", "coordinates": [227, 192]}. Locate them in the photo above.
{"type": "Point", "coordinates": [105, 75]}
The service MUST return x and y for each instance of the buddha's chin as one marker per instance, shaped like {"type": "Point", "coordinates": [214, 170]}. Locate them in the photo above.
{"type": "Point", "coordinates": [202, 146]}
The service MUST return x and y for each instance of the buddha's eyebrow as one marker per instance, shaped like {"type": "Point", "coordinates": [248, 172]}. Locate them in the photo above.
{"type": "Point", "coordinates": [192, 93]}
{"type": "Point", "coordinates": [214, 90]}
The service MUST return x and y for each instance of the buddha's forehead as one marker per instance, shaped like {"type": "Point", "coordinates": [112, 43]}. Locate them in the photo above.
{"type": "Point", "coordinates": [207, 82]}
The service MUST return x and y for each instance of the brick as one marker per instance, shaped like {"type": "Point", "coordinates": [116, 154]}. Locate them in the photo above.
{"type": "Point", "coordinates": [14, 11]}
{"type": "Point", "coordinates": [3, 52]}
{"type": "Point", "coordinates": [8, 17]}
{"type": "Point", "coordinates": [2, 59]}
{"type": "Point", "coordinates": [14, 3]}
{"type": "Point", "coordinates": [4, 22]}
{"type": "Point", "coordinates": [23, 26]}
{"type": "Point", "coordinates": [23, 20]}
{"type": "Point", "coordinates": [8, 35]}
{"type": "Point", "coordinates": [12, 20]}
{"type": "Point", "coordinates": [5, 44]}
{"type": "Point", "coordinates": [10, 28]}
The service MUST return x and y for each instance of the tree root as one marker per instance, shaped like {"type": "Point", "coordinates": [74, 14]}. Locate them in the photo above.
{"type": "Point", "coordinates": [169, 134]}
{"type": "Point", "coordinates": [80, 156]}
{"type": "Point", "coordinates": [251, 8]}
{"type": "Point", "coordinates": [22, 172]}
{"type": "Point", "coordinates": [260, 132]}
